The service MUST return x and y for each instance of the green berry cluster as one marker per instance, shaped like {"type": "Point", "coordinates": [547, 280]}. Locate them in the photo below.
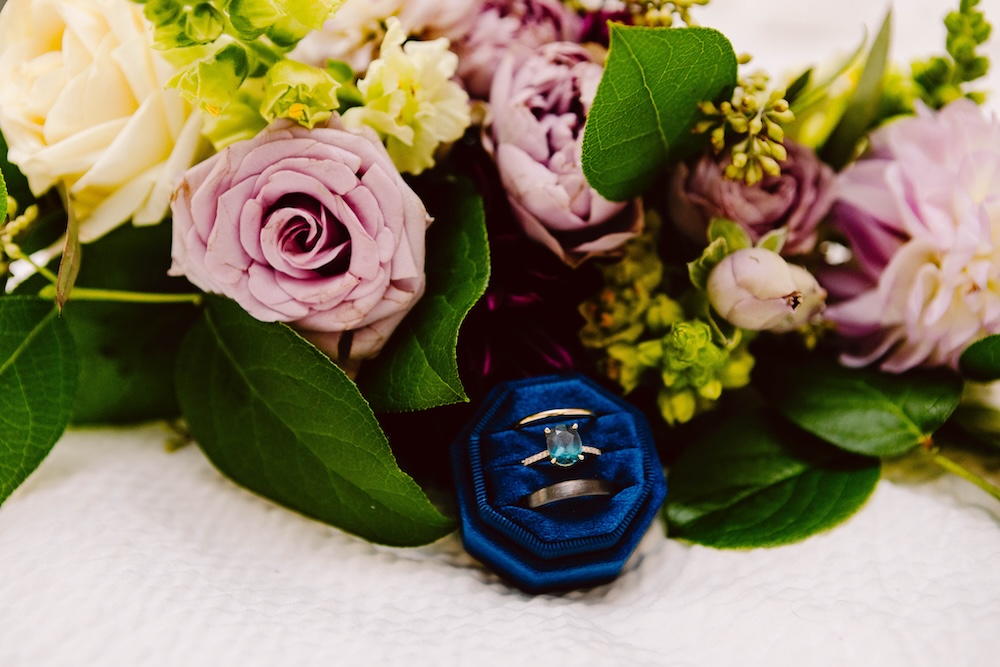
{"type": "Point", "coordinates": [650, 338]}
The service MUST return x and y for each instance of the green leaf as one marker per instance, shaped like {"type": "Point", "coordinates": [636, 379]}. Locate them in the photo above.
{"type": "Point", "coordinates": [37, 383]}
{"type": "Point", "coordinates": [800, 84]}
{"type": "Point", "coordinates": [862, 110]}
{"type": "Point", "coordinates": [277, 416]}
{"type": "Point", "coordinates": [735, 236]}
{"type": "Point", "coordinates": [700, 269]}
{"type": "Point", "coordinates": [757, 482]}
{"type": "Point", "coordinates": [69, 265]}
{"type": "Point", "coordinates": [862, 410]}
{"type": "Point", "coordinates": [16, 183]}
{"type": "Point", "coordinates": [981, 360]}
{"type": "Point", "coordinates": [127, 351]}
{"type": "Point", "coordinates": [3, 199]}
{"type": "Point", "coordinates": [418, 368]}
{"type": "Point", "coordinates": [647, 103]}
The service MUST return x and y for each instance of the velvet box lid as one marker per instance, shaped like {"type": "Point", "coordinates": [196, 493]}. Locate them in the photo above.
{"type": "Point", "coordinates": [567, 543]}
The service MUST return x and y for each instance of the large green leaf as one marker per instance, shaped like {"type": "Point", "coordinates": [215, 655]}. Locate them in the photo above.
{"type": "Point", "coordinates": [862, 410]}
{"type": "Point", "coordinates": [37, 383]}
{"type": "Point", "coordinates": [275, 415]}
{"type": "Point", "coordinates": [981, 360]}
{"type": "Point", "coordinates": [127, 350]}
{"type": "Point", "coordinates": [647, 103]}
{"type": "Point", "coordinates": [418, 368]}
{"type": "Point", "coordinates": [757, 482]}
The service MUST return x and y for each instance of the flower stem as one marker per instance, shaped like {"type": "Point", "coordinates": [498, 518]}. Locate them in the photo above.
{"type": "Point", "coordinates": [119, 296]}
{"type": "Point", "coordinates": [964, 473]}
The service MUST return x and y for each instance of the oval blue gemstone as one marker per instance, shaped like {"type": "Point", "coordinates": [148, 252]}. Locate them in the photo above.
{"type": "Point", "coordinates": [564, 444]}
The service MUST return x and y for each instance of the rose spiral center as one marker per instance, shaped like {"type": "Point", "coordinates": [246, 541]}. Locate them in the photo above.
{"type": "Point", "coordinates": [306, 237]}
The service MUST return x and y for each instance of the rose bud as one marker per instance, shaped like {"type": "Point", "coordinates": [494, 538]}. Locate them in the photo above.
{"type": "Point", "coordinates": [315, 228]}
{"type": "Point", "coordinates": [753, 288]}
{"type": "Point", "coordinates": [795, 200]}
{"type": "Point", "coordinates": [813, 301]}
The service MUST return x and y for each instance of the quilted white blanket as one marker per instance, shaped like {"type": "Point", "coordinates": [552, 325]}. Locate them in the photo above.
{"type": "Point", "coordinates": [117, 552]}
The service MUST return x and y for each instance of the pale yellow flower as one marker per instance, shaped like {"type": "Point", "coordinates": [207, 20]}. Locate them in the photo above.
{"type": "Point", "coordinates": [411, 100]}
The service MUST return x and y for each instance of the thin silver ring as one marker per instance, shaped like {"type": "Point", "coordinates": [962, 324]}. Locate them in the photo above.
{"type": "Point", "coordinates": [568, 489]}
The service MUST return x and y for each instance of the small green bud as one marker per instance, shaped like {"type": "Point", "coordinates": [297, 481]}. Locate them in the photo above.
{"type": "Point", "coordinates": [300, 92]}
{"type": "Point", "coordinates": [312, 13]}
{"type": "Point", "coordinates": [251, 18]}
{"type": "Point", "coordinates": [163, 12]}
{"type": "Point", "coordinates": [204, 23]}
{"type": "Point", "coordinates": [211, 82]}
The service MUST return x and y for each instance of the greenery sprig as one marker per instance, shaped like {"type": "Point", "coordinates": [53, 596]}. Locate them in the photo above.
{"type": "Point", "coordinates": [942, 79]}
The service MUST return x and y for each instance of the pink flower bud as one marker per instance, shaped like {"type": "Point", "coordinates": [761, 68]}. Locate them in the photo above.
{"type": "Point", "coordinates": [813, 301]}
{"type": "Point", "coordinates": [753, 288]}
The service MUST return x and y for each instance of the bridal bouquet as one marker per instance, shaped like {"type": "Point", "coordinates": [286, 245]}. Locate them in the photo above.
{"type": "Point", "coordinates": [312, 235]}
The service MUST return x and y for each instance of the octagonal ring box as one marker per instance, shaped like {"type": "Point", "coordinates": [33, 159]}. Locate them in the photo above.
{"type": "Point", "coordinates": [570, 543]}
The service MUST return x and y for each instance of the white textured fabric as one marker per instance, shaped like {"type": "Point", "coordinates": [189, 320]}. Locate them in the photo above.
{"type": "Point", "coordinates": [117, 552]}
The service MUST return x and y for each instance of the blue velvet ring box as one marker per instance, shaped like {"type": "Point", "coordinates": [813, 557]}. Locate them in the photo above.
{"type": "Point", "coordinates": [571, 543]}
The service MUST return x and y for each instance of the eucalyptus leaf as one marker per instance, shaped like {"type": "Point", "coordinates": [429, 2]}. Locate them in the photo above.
{"type": "Point", "coordinates": [981, 360]}
{"type": "Point", "coordinates": [647, 103]}
{"type": "Point", "coordinates": [757, 482]}
{"type": "Point", "coordinates": [277, 416]}
{"type": "Point", "coordinates": [863, 410]}
{"type": "Point", "coordinates": [38, 376]}
{"type": "Point", "coordinates": [418, 367]}
{"type": "Point", "coordinates": [862, 109]}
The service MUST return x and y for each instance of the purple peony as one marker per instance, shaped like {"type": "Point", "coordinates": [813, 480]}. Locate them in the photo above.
{"type": "Point", "coordinates": [315, 228]}
{"type": "Point", "coordinates": [922, 214]}
{"type": "Point", "coordinates": [539, 105]}
{"type": "Point", "coordinates": [796, 200]}
{"type": "Point", "coordinates": [504, 25]}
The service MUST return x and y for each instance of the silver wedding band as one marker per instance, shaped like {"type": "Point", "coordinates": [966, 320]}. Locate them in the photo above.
{"type": "Point", "coordinates": [568, 489]}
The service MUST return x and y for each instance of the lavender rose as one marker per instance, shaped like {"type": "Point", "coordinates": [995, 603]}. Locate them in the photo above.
{"type": "Point", "coordinates": [539, 105]}
{"type": "Point", "coordinates": [503, 25]}
{"type": "Point", "coordinates": [315, 228]}
{"type": "Point", "coordinates": [922, 214]}
{"type": "Point", "coordinates": [796, 200]}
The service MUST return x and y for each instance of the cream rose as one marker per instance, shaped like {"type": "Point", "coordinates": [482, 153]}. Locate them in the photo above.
{"type": "Point", "coordinates": [83, 103]}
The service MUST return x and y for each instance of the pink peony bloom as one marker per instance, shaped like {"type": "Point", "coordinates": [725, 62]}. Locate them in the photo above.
{"type": "Point", "coordinates": [503, 25]}
{"type": "Point", "coordinates": [796, 200]}
{"type": "Point", "coordinates": [539, 105]}
{"type": "Point", "coordinates": [315, 228]}
{"type": "Point", "coordinates": [922, 215]}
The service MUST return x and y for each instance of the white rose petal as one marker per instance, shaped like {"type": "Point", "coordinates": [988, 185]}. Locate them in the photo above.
{"type": "Point", "coordinates": [83, 103]}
